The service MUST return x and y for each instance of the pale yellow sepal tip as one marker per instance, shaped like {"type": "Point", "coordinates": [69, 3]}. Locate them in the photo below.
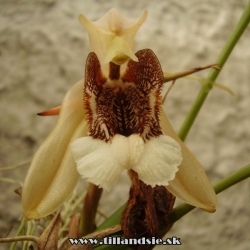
{"type": "Point", "coordinates": [31, 214]}
{"type": "Point", "coordinates": [119, 52]}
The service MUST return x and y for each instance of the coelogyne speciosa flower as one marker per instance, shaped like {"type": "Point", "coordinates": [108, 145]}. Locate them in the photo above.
{"type": "Point", "coordinates": [118, 125]}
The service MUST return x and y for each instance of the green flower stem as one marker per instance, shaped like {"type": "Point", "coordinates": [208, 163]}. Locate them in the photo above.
{"type": "Point", "coordinates": [213, 74]}
{"type": "Point", "coordinates": [28, 232]}
{"type": "Point", "coordinates": [233, 179]}
{"type": "Point", "coordinates": [113, 220]}
{"type": "Point", "coordinates": [19, 231]}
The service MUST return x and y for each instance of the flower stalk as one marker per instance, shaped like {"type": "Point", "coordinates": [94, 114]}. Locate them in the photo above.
{"type": "Point", "coordinates": [87, 220]}
{"type": "Point", "coordinates": [213, 74]}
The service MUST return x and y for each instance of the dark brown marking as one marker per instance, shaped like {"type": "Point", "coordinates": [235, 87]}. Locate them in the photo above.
{"type": "Point", "coordinates": [114, 71]}
{"type": "Point", "coordinates": [128, 105]}
{"type": "Point", "coordinates": [147, 209]}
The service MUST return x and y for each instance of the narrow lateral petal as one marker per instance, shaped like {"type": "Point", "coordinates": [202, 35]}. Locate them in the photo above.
{"type": "Point", "coordinates": [52, 175]}
{"type": "Point", "coordinates": [190, 183]}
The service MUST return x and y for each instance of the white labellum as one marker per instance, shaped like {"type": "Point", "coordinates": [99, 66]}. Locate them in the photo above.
{"type": "Point", "coordinates": [101, 163]}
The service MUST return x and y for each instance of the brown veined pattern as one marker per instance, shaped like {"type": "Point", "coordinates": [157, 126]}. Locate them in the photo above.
{"type": "Point", "coordinates": [126, 105]}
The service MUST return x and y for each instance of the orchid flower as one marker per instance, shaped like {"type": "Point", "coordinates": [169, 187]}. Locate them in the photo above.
{"type": "Point", "coordinates": [120, 125]}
